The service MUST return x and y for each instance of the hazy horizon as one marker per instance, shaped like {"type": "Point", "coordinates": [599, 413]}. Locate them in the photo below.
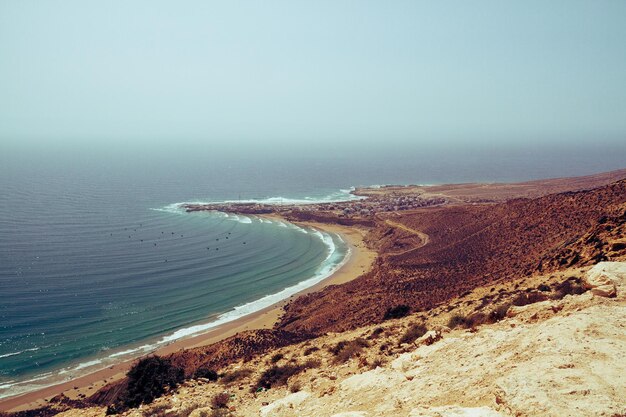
{"type": "Point", "coordinates": [309, 76]}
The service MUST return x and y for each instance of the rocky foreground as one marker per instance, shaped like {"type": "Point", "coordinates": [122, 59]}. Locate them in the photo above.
{"type": "Point", "coordinates": [556, 357]}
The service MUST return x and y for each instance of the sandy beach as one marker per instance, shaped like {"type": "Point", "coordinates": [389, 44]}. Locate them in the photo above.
{"type": "Point", "coordinates": [359, 261]}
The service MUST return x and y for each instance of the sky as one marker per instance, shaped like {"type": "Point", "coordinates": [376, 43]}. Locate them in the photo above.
{"type": "Point", "coordinates": [291, 73]}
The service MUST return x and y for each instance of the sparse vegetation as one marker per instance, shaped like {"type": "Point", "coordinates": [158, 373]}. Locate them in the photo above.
{"type": "Point", "coordinates": [529, 298]}
{"type": "Point", "coordinates": [310, 350]}
{"type": "Point", "coordinates": [220, 400]}
{"type": "Point", "coordinates": [571, 286]}
{"type": "Point", "coordinates": [236, 375]}
{"type": "Point", "coordinates": [150, 378]}
{"type": "Point", "coordinates": [312, 363]}
{"type": "Point", "coordinates": [457, 320]}
{"type": "Point", "coordinates": [468, 322]}
{"type": "Point", "coordinates": [376, 333]}
{"type": "Point", "coordinates": [499, 312]}
{"type": "Point", "coordinates": [415, 331]}
{"type": "Point", "coordinates": [278, 375]}
{"type": "Point", "coordinates": [343, 350]}
{"type": "Point", "coordinates": [205, 373]}
{"type": "Point", "coordinates": [295, 387]}
{"type": "Point", "coordinates": [397, 312]}
{"type": "Point", "coordinates": [275, 358]}
{"type": "Point", "coordinates": [376, 363]}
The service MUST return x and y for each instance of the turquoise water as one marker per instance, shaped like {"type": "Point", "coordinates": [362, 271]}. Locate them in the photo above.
{"type": "Point", "coordinates": [90, 276]}
{"type": "Point", "coordinates": [98, 263]}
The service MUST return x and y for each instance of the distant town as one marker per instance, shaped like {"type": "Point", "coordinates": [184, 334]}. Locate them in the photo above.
{"type": "Point", "coordinates": [373, 201]}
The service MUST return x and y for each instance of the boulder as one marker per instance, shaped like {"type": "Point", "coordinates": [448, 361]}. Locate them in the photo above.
{"type": "Point", "coordinates": [604, 278]}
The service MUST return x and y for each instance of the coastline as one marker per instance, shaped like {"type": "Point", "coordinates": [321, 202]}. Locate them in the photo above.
{"type": "Point", "coordinates": [359, 260]}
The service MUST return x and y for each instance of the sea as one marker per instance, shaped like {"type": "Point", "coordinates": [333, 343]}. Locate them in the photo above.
{"type": "Point", "coordinates": [100, 264]}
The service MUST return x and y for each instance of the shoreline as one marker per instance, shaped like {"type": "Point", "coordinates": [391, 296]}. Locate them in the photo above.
{"type": "Point", "coordinates": [359, 260]}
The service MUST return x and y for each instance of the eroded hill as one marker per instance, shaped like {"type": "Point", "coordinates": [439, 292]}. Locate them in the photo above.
{"type": "Point", "coordinates": [469, 246]}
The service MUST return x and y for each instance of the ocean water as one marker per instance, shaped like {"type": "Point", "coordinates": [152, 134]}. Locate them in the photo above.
{"type": "Point", "coordinates": [99, 264]}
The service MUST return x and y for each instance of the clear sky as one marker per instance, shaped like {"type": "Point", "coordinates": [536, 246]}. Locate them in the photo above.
{"type": "Point", "coordinates": [277, 72]}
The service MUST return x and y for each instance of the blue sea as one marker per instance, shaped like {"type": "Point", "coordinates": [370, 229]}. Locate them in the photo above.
{"type": "Point", "coordinates": [98, 263]}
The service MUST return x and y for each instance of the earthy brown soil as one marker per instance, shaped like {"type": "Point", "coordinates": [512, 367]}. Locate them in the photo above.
{"type": "Point", "coordinates": [469, 246]}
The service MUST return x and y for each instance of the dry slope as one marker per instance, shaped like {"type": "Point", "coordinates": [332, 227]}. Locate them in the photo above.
{"type": "Point", "coordinates": [552, 358]}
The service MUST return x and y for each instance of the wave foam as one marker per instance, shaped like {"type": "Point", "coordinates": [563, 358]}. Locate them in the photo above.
{"type": "Point", "coordinates": [174, 208]}
{"type": "Point", "coordinates": [87, 364]}
{"type": "Point", "coordinates": [331, 263]}
{"type": "Point", "coordinates": [338, 196]}
{"type": "Point", "coordinates": [6, 355]}
{"type": "Point", "coordinates": [239, 218]}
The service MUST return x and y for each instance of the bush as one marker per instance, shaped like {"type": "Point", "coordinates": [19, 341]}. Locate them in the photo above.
{"type": "Point", "coordinates": [295, 387]}
{"type": "Point", "coordinates": [376, 333]}
{"type": "Point", "coordinates": [468, 322]}
{"type": "Point", "coordinates": [397, 312]}
{"type": "Point", "coordinates": [376, 363]}
{"type": "Point", "coordinates": [276, 357]}
{"type": "Point", "coordinates": [530, 298]}
{"type": "Point", "coordinates": [278, 375]}
{"type": "Point", "coordinates": [456, 321]}
{"type": "Point", "coordinates": [415, 331]}
{"type": "Point", "coordinates": [571, 286]}
{"type": "Point", "coordinates": [312, 363]}
{"type": "Point", "coordinates": [231, 377]}
{"type": "Point", "coordinates": [205, 373]}
{"type": "Point", "coordinates": [343, 350]}
{"type": "Point", "coordinates": [150, 378]}
{"type": "Point", "coordinates": [499, 312]}
{"type": "Point", "coordinates": [220, 400]}
{"type": "Point", "coordinates": [310, 350]}
{"type": "Point", "coordinates": [477, 319]}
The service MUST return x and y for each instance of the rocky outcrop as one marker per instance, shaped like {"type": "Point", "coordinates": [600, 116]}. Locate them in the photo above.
{"type": "Point", "coordinates": [605, 278]}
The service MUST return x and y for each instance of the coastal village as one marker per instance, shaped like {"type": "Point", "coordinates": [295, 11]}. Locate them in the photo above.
{"type": "Point", "coordinates": [370, 203]}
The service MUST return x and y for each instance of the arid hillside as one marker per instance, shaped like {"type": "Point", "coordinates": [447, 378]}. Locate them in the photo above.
{"type": "Point", "coordinates": [558, 353]}
{"type": "Point", "coordinates": [432, 255]}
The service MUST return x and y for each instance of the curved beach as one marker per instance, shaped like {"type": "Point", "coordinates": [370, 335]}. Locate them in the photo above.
{"type": "Point", "coordinates": [359, 260]}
